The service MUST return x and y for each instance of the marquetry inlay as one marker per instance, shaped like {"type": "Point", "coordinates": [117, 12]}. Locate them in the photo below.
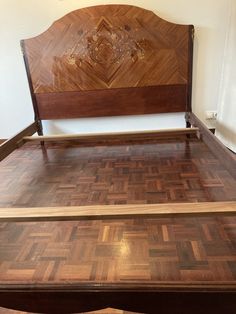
{"type": "Point", "coordinates": [112, 46]}
{"type": "Point", "coordinates": [104, 50]}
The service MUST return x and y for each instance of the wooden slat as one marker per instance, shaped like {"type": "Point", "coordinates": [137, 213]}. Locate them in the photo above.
{"type": "Point", "coordinates": [16, 141]}
{"type": "Point", "coordinates": [114, 211]}
{"type": "Point", "coordinates": [113, 135]}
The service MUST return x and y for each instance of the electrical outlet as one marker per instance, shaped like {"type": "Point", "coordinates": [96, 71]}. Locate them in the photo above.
{"type": "Point", "coordinates": [211, 115]}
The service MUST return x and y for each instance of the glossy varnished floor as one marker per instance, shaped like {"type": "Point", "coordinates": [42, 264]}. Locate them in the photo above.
{"type": "Point", "coordinates": [145, 251]}
{"type": "Point", "coordinates": [179, 250]}
{"type": "Point", "coordinates": [166, 171]}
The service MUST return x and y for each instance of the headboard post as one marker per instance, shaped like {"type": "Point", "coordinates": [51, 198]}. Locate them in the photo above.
{"type": "Point", "coordinates": [32, 94]}
{"type": "Point", "coordinates": [190, 74]}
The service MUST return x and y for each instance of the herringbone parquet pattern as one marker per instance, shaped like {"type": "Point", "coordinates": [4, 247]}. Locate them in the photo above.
{"type": "Point", "coordinates": [96, 47]}
{"type": "Point", "coordinates": [165, 171]}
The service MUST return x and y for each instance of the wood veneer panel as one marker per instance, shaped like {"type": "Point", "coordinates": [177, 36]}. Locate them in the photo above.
{"type": "Point", "coordinates": [115, 211]}
{"type": "Point", "coordinates": [108, 46]}
{"type": "Point", "coordinates": [103, 61]}
{"type": "Point", "coordinates": [112, 102]}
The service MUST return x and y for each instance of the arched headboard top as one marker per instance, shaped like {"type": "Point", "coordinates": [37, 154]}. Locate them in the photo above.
{"type": "Point", "coordinates": [108, 47]}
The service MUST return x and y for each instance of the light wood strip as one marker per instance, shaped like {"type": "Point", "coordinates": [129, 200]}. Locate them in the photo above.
{"type": "Point", "coordinates": [128, 135]}
{"type": "Point", "coordinates": [113, 211]}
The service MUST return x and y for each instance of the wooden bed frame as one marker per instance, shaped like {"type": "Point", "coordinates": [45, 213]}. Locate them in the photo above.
{"type": "Point", "coordinates": [113, 60]}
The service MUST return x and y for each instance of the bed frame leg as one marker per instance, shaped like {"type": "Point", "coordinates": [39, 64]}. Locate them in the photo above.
{"type": "Point", "coordinates": [187, 117]}
{"type": "Point", "coordinates": [40, 132]}
{"type": "Point", "coordinates": [40, 127]}
{"type": "Point", "coordinates": [188, 124]}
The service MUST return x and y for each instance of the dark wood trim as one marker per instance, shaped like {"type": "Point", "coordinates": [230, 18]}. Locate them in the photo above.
{"type": "Point", "coordinates": [219, 150]}
{"type": "Point", "coordinates": [112, 102]}
{"type": "Point", "coordinates": [190, 74]}
{"type": "Point", "coordinates": [2, 140]}
{"type": "Point", "coordinates": [33, 98]}
{"type": "Point", "coordinates": [153, 299]}
{"type": "Point", "coordinates": [16, 141]}
{"type": "Point", "coordinates": [190, 69]}
{"type": "Point", "coordinates": [128, 286]}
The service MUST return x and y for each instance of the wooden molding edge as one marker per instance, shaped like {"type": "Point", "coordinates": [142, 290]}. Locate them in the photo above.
{"type": "Point", "coordinates": [135, 286]}
{"type": "Point", "coordinates": [115, 211]}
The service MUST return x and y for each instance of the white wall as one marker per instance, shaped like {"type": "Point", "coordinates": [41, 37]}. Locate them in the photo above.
{"type": "Point", "coordinates": [27, 18]}
{"type": "Point", "coordinates": [226, 120]}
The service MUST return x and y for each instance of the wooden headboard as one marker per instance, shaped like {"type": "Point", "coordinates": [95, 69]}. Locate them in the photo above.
{"type": "Point", "coordinates": [110, 60]}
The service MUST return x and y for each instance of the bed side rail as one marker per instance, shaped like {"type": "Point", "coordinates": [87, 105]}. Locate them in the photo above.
{"type": "Point", "coordinates": [227, 157]}
{"type": "Point", "coordinates": [7, 147]}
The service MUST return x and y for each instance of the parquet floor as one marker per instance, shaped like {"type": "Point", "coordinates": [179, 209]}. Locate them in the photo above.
{"type": "Point", "coordinates": [179, 249]}
{"type": "Point", "coordinates": [159, 250]}
{"type": "Point", "coordinates": [161, 172]}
